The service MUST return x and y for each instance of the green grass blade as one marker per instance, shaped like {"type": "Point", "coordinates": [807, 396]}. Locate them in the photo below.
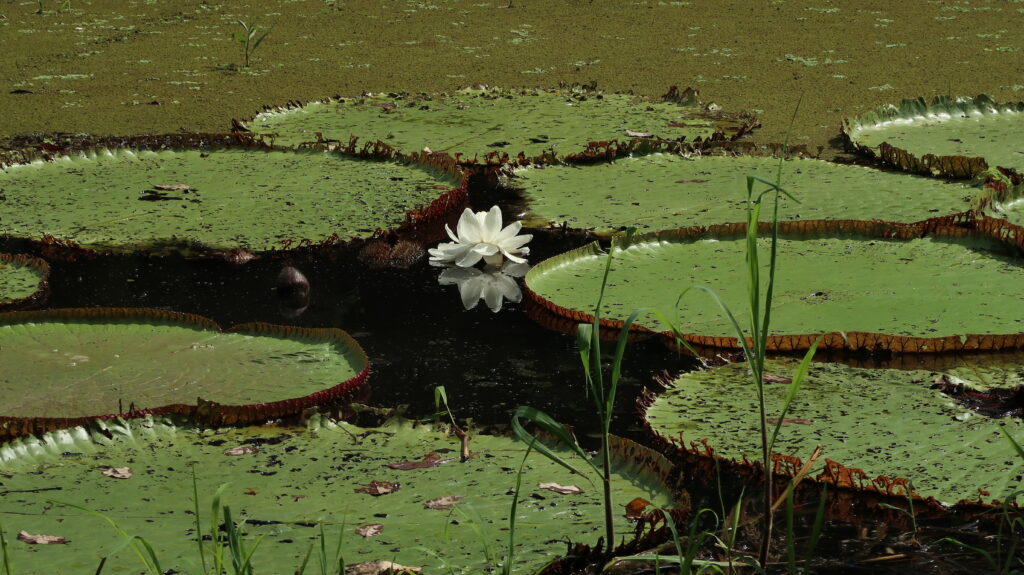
{"type": "Point", "coordinates": [8, 570]}
{"type": "Point", "coordinates": [549, 425]}
{"type": "Point", "coordinates": [794, 386]}
{"type": "Point", "coordinates": [1013, 442]}
{"type": "Point", "coordinates": [506, 569]}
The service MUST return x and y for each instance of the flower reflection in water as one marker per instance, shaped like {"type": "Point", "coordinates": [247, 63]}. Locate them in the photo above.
{"type": "Point", "coordinates": [492, 284]}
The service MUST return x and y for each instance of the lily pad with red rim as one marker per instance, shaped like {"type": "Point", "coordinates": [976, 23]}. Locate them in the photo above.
{"type": "Point", "coordinates": [925, 287]}
{"type": "Point", "coordinates": [882, 429]}
{"type": "Point", "coordinates": [66, 367]}
{"type": "Point", "coordinates": [478, 122]}
{"type": "Point", "coordinates": [24, 281]}
{"type": "Point", "coordinates": [251, 197]}
{"type": "Point", "coordinates": [664, 191]}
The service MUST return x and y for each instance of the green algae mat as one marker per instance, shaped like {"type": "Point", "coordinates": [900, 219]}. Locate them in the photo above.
{"type": "Point", "coordinates": [182, 200]}
{"type": "Point", "coordinates": [879, 422]}
{"type": "Point", "coordinates": [946, 136]}
{"type": "Point", "coordinates": [285, 481]}
{"type": "Point", "coordinates": [23, 280]}
{"type": "Point", "coordinates": [853, 280]}
{"type": "Point", "coordinates": [65, 367]}
{"type": "Point", "coordinates": [476, 122]}
{"type": "Point", "coordinates": [657, 192]}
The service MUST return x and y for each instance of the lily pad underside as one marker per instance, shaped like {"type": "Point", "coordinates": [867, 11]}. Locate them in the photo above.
{"type": "Point", "coordinates": [957, 138]}
{"type": "Point", "coordinates": [859, 285]}
{"type": "Point", "coordinates": [478, 123]}
{"type": "Point", "coordinates": [24, 281]}
{"type": "Point", "coordinates": [286, 481]}
{"type": "Point", "coordinates": [66, 367]}
{"type": "Point", "coordinates": [879, 429]}
{"type": "Point", "coordinates": [658, 192]}
{"type": "Point", "coordinates": [198, 200]}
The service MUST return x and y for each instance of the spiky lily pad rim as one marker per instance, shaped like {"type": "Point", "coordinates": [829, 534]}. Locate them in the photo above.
{"type": "Point", "coordinates": [42, 289]}
{"type": "Point", "coordinates": [964, 225]}
{"type": "Point", "coordinates": [596, 151]}
{"type": "Point", "coordinates": [423, 223]}
{"type": "Point", "coordinates": [919, 108]}
{"type": "Point", "coordinates": [206, 413]}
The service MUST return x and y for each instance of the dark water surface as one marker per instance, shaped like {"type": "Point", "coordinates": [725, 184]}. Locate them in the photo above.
{"type": "Point", "coordinates": [414, 330]}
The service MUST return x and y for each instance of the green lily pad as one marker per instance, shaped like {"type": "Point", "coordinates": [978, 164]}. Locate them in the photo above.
{"type": "Point", "coordinates": [65, 367]}
{"type": "Point", "coordinates": [23, 281]}
{"type": "Point", "coordinates": [948, 137]}
{"type": "Point", "coordinates": [879, 421]}
{"type": "Point", "coordinates": [869, 285]}
{"type": "Point", "coordinates": [296, 479]}
{"type": "Point", "coordinates": [223, 199]}
{"type": "Point", "coordinates": [657, 192]}
{"type": "Point", "coordinates": [475, 123]}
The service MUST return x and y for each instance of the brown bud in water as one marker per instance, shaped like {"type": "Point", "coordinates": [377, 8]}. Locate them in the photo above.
{"type": "Point", "coordinates": [292, 291]}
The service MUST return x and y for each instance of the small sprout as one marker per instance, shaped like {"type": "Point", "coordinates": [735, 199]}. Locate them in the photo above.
{"type": "Point", "coordinates": [250, 38]}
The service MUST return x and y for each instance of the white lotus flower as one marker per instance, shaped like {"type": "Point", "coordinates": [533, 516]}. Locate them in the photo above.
{"type": "Point", "coordinates": [491, 284]}
{"type": "Point", "coordinates": [481, 237]}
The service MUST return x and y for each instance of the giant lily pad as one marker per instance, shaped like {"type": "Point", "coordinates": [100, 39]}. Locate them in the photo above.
{"type": "Point", "coordinates": [882, 427]}
{"type": "Point", "coordinates": [868, 285]}
{"type": "Point", "coordinates": [291, 479]}
{"type": "Point", "coordinates": [657, 192]}
{"type": "Point", "coordinates": [249, 198]}
{"type": "Point", "coordinates": [477, 122]}
{"type": "Point", "coordinates": [23, 281]}
{"type": "Point", "coordinates": [65, 367]}
{"type": "Point", "coordinates": [949, 137]}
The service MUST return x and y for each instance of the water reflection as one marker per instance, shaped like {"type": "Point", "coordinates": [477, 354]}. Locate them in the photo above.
{"type": "Point", "coordinates": [492, 284]}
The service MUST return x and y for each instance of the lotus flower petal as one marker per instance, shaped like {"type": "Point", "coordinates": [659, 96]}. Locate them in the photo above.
{"type": "Point", "coordinates": [479, 235]}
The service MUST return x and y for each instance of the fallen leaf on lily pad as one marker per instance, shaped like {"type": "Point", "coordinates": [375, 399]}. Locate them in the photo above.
{"type": "Point", "coordinates": [376, 488]}
{"type": "Point", "coordinates": [242, 450]}
{"type": "Point", "coordinates": [446, 502]}
{"type": "Point", "coordinates": [558, 488]}
{"type": "Point", "coordinates": [171, 187]}
{"type": "Point", "coordinates": [370, 530]}
{"type": "Point", "coordinates": [635, 508]}
{"type": "Point", "coordinates": [40, 539]}
{"type": "Point", "coordinates": [118, 472]}
{"type": "Point", "coordinates": [379, 568]}
{"type": "Point", "coordinates": [429, 460]}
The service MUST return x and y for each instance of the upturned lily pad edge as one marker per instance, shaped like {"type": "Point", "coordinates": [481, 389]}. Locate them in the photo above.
{"type": "Point", "coordinates": [963, 225]}
{"type": "Point", "coordinates": [42, 291]}
{"type": "Point", "coordinates": [204, 412]}
{"type": "Point", "coordinates": [955, 167]}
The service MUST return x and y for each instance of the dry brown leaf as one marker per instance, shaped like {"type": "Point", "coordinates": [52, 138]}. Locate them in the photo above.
{"type": "Point", "coordinates": [118, 472]}
{"type": "Point", "coordinates": [377, 488]}
{"type": "Point", "coordinates": [563, 489]}
{"type": "Point", "coordinates": [769, 378]}
{"type": "Point", "coordinates": [429, 460]}
{"type": "Point", "coordinates": [379, 568]}
{"type": "Point", "coordinates": [242, 450]}
{"type": "Point", "coordinates": [635, 508]}
{"type": "Point", "coordinates": [171, 187]}
{"type": "Point", "coordinates": [446, 502]}
{"type": "Point", "coordinates": [39, 538]}
{"type": "Point", "coordinates": [370, 530]}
